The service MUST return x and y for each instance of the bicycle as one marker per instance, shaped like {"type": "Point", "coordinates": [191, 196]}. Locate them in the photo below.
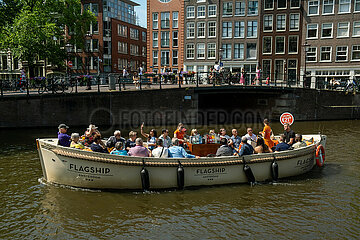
{"type": "Point", "coordinates": [54, 85]}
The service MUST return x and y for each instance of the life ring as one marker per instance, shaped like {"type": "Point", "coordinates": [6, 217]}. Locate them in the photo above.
{"type": "Point", "coordinates": [320, 155]}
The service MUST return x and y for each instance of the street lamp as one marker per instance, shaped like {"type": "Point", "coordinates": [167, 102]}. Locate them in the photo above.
{"type": "Point", "coordinates": [68, 48]}
{"type": "Point", "coordinates": [88, 36]}
{"type": "Point", "coordinates": [305, 45]}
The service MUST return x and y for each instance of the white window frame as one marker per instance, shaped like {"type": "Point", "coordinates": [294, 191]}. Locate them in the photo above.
{"type": "Point", "coordinates": [321, 51]}
{"type": "Point", "coordinates": [175, 20]}
{"type": "Point", "coordinates": [297, 7]}
{"type": "Point", "coordinates": [352, 51]}
{"type": "Point", "coordinates": [327, 4]}
{"type": "Point", "coordinates": [155, 38]}
{"type": "Point", "coordinates": [155, 20]}
{"type": "Point", "coordinates": [188, 12]}
{"type": "Point", "coordinates": [347, 53]}
{"type": "Point", "coordinates": [232, 9]}
{"type": "Point", "coordinates": [332, 30]}
{"type": "Point", "coordinates": [204, 27]}
{"type": "Point", "coordinates": [311, 5]}
{"type": "Point", "coordinates": [272, 22]}
{"type": "Point", "coordinates": [209, 11]}
{"type": "Point", "coordinates": [297, 46]}
{"type": "Point", "coordinates": [175, 57]}
{"type": "Point", "coordinates": [229, 32]}
{"type": "Point", "coordinates": [348, 29]}
{"type": "Point", "coordinates": [356, 24]}
{"type": "Point", "coordinates": [243, 24]}
{"type": "Point", "coordinates": [187, 50]}
{"type": "Point", "coordinates": [202, 49]}
{"type": "Point", "coordinates": [279, 37]}
{"type": "Point", "coordinates": [255, 32]}
{"type": "Point", "coordinates": [348, 3]}
{"type": "Point", "coordinates": [269, 8]}
{"type": "Point", "coordinates": [281, 30]}
{"type": "Point", "coordinates": [243, 49]}
{"type": "Point", "coordinates": [317, 31]}
{"type": "Point", "coordinates": [257, 9]}
{"type": "Point", "coordinates": [307, 51]}
{"type": "Point", "coordinates": [225, 51]}
{"type": "Point", "coordinates": [298, 22]}
{"type": "Point", "coordinates": [277, 5]}
{"type": "Point", "coordinates": [356, 3]}
{"type": "Point", "coordinates": [155, 55]}
{"type": "Point", "coordinates": [204, 12]}
{"type": "Point", "coordinates": [211, 49]}
{"type": "Point", "coordinates": [267, 53]}
{"type": "Point", "coordinates": [188, 30]}
{"type": "Point", "coordinates": [211, 22]}
{"type": "Point", "coordinates": [244, 4]}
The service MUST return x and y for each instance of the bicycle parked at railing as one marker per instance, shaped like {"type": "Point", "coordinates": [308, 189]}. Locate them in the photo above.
{"type": "Point", "coordinates": [55, 85]}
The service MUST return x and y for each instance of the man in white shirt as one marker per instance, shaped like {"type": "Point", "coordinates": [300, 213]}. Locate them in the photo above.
{"type": "Point", "coordinates": [251, 137]}
{"type": "Point", "coordinates": [160, 151]}
{"type": "Point", "coordinates": [217, 66]}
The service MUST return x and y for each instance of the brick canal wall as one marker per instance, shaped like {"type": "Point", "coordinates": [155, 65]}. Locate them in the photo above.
{"type": "Point", "coordinates": [168, 107]}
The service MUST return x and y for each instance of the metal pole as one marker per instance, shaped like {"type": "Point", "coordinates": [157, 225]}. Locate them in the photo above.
{"type": "Point", "coordinates": [159, 81]}
{"type": "Point", "coordinates": [180, 82]}
{"type": "Point", "coordinates": [1, 87]}
{"type": "Point", "coordinates": [27, 88]}
{"type": "Point", "coordinates": [140, 82]}
{"type": "Point", "coordinates": [197, 79]}
{"type": "Point", "coordinates": [119, 83]}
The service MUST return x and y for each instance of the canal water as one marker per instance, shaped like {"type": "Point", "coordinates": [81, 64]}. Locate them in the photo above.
{"type": "Point", "coordinates": [323, 204]}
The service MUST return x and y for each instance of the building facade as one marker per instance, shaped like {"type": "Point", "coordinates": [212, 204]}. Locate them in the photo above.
{"type": "Point", "coordinates": [165, 24]}
{"type": "Point", "coordinates": [331, 39]}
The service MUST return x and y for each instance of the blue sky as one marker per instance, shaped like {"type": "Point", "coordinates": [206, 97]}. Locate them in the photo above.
{"type": "Point", "coordinates": [141, 12]}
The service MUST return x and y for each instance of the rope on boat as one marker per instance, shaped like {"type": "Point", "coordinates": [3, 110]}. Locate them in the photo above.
{"type": "Point", "coordinates": [174, 163]}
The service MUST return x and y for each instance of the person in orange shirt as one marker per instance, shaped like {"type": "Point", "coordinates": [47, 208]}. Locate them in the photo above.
{"type": "Point", "coordinates": [180, 133]}
{"type": "Point", "coordinates": [266, 133]}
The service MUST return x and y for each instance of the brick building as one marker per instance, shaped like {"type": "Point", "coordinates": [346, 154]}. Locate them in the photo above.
{"type": "Point", "coordinates": [165, 24]}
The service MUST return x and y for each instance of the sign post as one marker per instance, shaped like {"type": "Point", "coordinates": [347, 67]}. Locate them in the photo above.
{"type": "Point", "coordinates": [287, 117]}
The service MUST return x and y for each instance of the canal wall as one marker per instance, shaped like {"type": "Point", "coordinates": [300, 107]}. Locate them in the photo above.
{"type": "Point", "coordinates": [205, 105]}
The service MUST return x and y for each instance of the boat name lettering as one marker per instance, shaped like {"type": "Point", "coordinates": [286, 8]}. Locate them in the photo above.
{"type": "Point", "coordinates": [210, 170]}
{"type": "Point", "coordinates": [88, 169]}
{"type": "Point", "coordinates": [304, 161]}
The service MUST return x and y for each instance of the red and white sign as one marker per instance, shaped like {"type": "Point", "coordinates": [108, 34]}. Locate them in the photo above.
{"type": "Point", "coordinates": [287, 117]}
{"type": "Point", "coordinates": [70, 64]}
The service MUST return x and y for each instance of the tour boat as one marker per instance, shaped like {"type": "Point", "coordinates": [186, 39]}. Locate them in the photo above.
{"type": "Point", "coordinates": [92, 170]}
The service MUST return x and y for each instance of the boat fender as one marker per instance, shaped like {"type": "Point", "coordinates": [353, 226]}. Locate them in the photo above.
{"type": "Point", "coordinates": [320, 155]}
{"type": "Point", "coordinates": [145, 180]}
{"type": "Point", "coordinates": [274, 170]}
{"type": "Point", "coordinates": [180, 176]}
{"type": "Point", "coordinates": [249, 174]}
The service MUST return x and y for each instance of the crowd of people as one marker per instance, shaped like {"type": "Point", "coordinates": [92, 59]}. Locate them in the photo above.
{"type": "Point", "coordinates": [177, 147]}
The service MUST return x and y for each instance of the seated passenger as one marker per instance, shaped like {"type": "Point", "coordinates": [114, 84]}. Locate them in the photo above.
{"type": "Point", "coordinates": [110, 143]}
{"type": "Point", "coordinates": [151, 137]}
{"type": "Point", "coordinates": [224, 149]}
{"type": "Point", "coordinates": [261, 147]}
{"type": "Point", "coordinates": [282, 146]}
{"type": "Point", "coordinates": [246, 149]}
{"type": "Point", "coordinates": [75, 143]}
{"type": "Point", "coordinates": [251, 137]}
{"type": "Point", "coordinates": [119, 149]}
{"type": "Point", "coordinates": [165, 138]}
{"type": "Point", "coordinates": [160, 151]}
{"type": "Point", "coordinates": [90, 134]}
{"type": "Point", "coordinates": [299, 142]}
{"type": "Point", "coordinates": [176, 151]}
{"type": "Point", "coordinates": [289, 134]}
{"type": "Point", "coordinates": [139, 150]}
{"type": "Point", "coordinates": [98, 145]}
{"type": "Point", "coordinates": [236, 140]}
{"type": "Point", "coordinates": [180, 133]}
{"type": "Point", "coordinates": [195, 137]}
{"type": "Point", "coordinates": [63, 138]}
{"type": "Point", "coordinates": [222, 134]}
{"type": "Point", "coordinates": [131, 141]}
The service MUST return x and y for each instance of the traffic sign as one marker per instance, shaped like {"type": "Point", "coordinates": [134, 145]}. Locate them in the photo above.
{"type": "Point", "coordinates": [287, 117]}
{"type": "Point", "coordinates": [70, 64]}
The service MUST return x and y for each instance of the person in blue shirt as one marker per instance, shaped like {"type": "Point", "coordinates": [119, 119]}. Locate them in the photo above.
{"type": "Point", "coordinates": [236, 140]}
{"type": "Point", "coordinates": [246, 149]}
{"type": "Point", "coordinates": [176, 151]}
{"type": "Point", "coordinates": [282, 146]}
{"type": "Point", "coordinates": [119, 150]}
{"type": "Point", "coordinates": [63, 139]}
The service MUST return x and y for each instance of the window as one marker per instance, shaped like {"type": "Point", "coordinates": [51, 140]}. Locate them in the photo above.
{"type": "Point", "coordinates": [165, 58]}
{"type": "Point", "coordinates": [95, 28]}
{"type": "Point", "coordinates": [211, 29]}
{"type": "Point", "coordinates": [238, 51]}
{"type": "Point", "coordinates": [355, 53]}
{"type": "Point", "coordinates": [328, 7]}
{"type": "Point", "coordinates": [252, 29]}
{"type": "Point", "coordinates": [292, 68]}
{"type": "Point", "coordinates": [143, 36]}
{"type": "Point", "coordinates": [175, 23]}
{"type": "Point", "coordinates": [122, 30]}
{"type": "Point", "coordinates": [326, 30]}
{"type": "Point", "coordinates": [165, 20]}
{"type": "Point", "coordinates": [227, 30]}
{"type": "Point", "coordinates": [344, 6]}
{"type": "Point", "coordinates": [201, 29]}
{"type": "Point", "coordinates": [253, 8]}
{"type": "Point", "coordinates": [251, 50]}
{"type": "Point", "coordinates": [312, 30]}
{"type": "Point", "coordinates": [175, 39]}
{"type": "Point", "coordinates": [200, 51]}
{"type": "Point", "coordinates": [266, 68]}
{"type": "Point", "coordinates": [211, 51]}
{"type": "Point", "coordinates": [293, 44]}
{"type": "Point", "coordinates": [325, 54]}
{"type": "Point", "coordinates": [281, 3]}
{"type": "Point", "coordinates": [155, 39]}
{"type": "Point", "coordinates": [267, 43]}
{"type": "Point", "coordinates": [122, 63]}
{"type": "Point", "coordinates": [122, 47]}
{"type": "Point", "coordinates": [107, 47]}
{"type": "Point", "coordinates": [190, 51]}
{"type": "Point", "coordinates": [280, 45]}
{"type": "Point", "coordinates": [343, 30]}
{"type": "Point", "coordinates": [356, 31]}
{"type": "Point", "coordinates": [294, 21]}
{"type": "Point", "coordinates": [281, 22]}
{"type": "Point", "coordinates": [201, 11]}
{"type": "Point", "coordinates": [269, 4]}
{"type": "Point", "coordinates": [341, 53]}
{"type": "Point", "coordinates": [239, 30]}
{"type": "Point", "coordinates": [134, 50]}
{"type": "Point", "coordinates": [165, 39]}
{"type": "Point", "coordinates": [226, 51]}
{"type": "Point", "coordinates": [190, 12]}
{"type": "Point", "coordinates": [212, 11]}
{"type": "Point", "coordinates": [134, 33]}
{"type": "Point", "coordinates": [357, 6]}
{"type": "Point", "coordinates": [190, 33]}
{"type": "Point", "coordinates": [311, 54]}
{"type": "Point", "coordinates": [175, 57]}
{"type": "Point", "coordinates": [240, 8]}
{"type": "Point", "coordinates": [227, 8]}
{"type": "Point", "coordinates": [268, 23]}
{"type": "Point", "coordinates": [294, 3]}
{"type": "Point", "coordinates": [144, 51]}
{"type": "Point", "coordinates": [313, 8]}
{"type": "Point", "coordinates": [155, 58]}
{"type": "Point", "coordinates": [155, 21]}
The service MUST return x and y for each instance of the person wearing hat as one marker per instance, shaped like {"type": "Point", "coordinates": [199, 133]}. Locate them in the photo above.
{"type": "Point", "coordinates": [75, 143]}
{"type": "Point", "coordinates": [90, 134]}
{"type": "Point", "coordinates": [63, 138]}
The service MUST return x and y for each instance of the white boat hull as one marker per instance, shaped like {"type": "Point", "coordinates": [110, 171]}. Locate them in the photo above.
{"type": "Point", "coordinates": [85, 169]}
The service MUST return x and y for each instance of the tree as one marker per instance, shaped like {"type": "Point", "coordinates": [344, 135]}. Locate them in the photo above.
{"type": "Point", "coordinates": [38, 30]}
